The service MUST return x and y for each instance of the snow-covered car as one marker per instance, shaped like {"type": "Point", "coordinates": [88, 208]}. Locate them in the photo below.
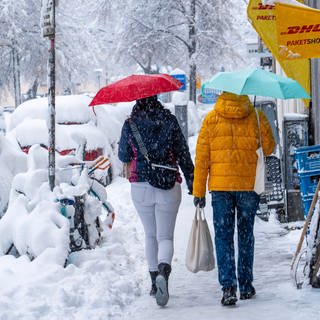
{"type": "Point", "coordinates": [76, 127]}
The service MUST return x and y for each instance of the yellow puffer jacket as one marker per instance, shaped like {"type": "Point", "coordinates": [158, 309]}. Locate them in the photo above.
{"type": "Point", "coordinates": [227, 144]}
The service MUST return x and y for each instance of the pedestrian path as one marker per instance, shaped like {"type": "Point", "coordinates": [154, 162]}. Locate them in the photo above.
{"type": "Point", "coordinates": [197, 296]}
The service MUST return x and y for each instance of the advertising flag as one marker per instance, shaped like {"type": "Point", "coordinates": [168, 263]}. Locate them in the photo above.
{"type": "Point", "coordinates": [298, 31]}
{"type": "Point", "coordinates": [263, 19]}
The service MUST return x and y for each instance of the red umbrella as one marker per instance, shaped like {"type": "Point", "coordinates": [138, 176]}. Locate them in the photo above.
{"type": "Point", "coordinates": [135, 87]}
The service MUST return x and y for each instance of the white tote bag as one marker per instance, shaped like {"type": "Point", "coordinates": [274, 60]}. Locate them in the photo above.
{"type": "Point", "coordinates": [259, 184]}
{"type": "Point", "coordinates": [200, 256]}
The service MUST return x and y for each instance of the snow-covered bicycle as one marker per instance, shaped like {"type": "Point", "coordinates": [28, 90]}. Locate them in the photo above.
{"type": "Point", "coordinates": [77, 201]}
{"type": "Point", "coordinates": [306, 262]}
{"type": "Point", "coordinates": [52, 224]}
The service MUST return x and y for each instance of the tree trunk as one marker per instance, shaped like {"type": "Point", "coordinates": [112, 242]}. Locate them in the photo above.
{"type": "Point", "coordinates": [32, 92]}
{"type": "Point", "coordinates": [193, 89]}
{"type": "Point", "coordinates": [192, 51]}
{"type": "Point", "coordinates": [16, 74]}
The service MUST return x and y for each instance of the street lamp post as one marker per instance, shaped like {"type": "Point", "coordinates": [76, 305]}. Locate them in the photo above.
{"type": "Point", "coordinates": [48, 29]}
{"type": "Point", "coordinates": [52, 104]}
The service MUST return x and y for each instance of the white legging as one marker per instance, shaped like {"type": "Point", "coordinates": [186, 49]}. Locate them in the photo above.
{"type": "Point", "coordinates": [158, 210]}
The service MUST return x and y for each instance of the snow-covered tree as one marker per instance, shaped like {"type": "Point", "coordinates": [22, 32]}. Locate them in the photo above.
{"type": "Point", "coordinates": [114, 37]}
{"type": "Point", "coordinates": [194, 33]}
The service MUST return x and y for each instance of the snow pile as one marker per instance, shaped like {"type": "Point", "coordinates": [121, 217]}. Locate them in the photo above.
{"type": "Point", "coordinates": [69, 109]}
{"type": "Point", "coordinates": [12, 161]}
{"type": "Point", "coordinates": [74, 118]}
{"type": "Point", "coordinates": [38, 134]}
{"type": "Point", "coordinates": [96, 284]}
{"type": "Point", "coordinates": [34, 224]}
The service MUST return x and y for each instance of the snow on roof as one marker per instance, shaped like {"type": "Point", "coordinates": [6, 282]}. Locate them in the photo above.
{"type": "Point", "coordinates": [72, 108]}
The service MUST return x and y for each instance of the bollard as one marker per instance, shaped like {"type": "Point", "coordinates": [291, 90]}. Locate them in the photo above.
{"type": "Point", "coordinates": [181, 112]}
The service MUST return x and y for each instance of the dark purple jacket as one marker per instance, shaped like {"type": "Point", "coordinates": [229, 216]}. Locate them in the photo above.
{"type": "Point", "coordinates": [163, 139]}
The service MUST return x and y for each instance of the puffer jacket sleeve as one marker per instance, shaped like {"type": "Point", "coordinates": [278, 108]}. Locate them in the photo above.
{"type": "Point", "coordinates": [267, 139]}
{"type": "Point", "coordinates": [182, 153]}
{"type": "Point", "coordinates": [202, 162]}
{"type": "Point", "coordinates": [125, 152]}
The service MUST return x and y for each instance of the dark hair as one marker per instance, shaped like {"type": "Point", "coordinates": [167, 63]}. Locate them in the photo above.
{"type": "Point", "coordinates": [148, 104]}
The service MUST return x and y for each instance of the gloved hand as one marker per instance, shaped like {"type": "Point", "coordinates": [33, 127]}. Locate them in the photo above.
{"type": "Point", "coordinates": [201, 202]}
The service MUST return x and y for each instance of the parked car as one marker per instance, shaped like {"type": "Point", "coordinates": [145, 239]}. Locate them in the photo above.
{"type": "Point", "coordinates": [76, 127]}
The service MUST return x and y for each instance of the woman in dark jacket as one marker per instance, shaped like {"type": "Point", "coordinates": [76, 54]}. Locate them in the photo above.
{"type": "Point", "coordinates": [158, 206]}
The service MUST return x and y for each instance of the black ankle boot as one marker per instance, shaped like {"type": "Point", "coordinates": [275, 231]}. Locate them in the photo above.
{"type": "Point", "coordinates": [248, 294]}
{"type": "Point", "coordinates": [153, 276]}
{"type": "Point", "coordinates": [162, 280]}
{"type": "Point", "coordinates": [229, 297]}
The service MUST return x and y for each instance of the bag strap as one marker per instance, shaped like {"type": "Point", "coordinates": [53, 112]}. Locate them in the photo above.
{"type": "Point", "coordinates": [139, 140]}
{"type": "Point", "coordinates": [143, 148]}
{"type": "Point", "coordinates": [259, 128]}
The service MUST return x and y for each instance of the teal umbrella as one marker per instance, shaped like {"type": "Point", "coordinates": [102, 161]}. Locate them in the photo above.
{"type": "Point", "coordinates": [257, 82]}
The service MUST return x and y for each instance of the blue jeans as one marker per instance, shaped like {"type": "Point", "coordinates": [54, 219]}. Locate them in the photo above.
{"type": "Point", "coordinates": [225, 205]}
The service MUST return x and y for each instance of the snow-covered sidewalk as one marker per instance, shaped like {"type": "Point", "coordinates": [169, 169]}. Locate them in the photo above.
{"type": "Point", "coordinates": [197, 296]}
{"type": "Point", "coordinates": [112, 282]}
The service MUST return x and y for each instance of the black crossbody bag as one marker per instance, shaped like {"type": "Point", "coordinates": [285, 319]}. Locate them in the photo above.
{"type": "Point", "coordinates": [159, 174]}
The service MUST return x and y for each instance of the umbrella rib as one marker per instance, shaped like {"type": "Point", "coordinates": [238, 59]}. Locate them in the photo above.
{"type": "Point", "coordinates": [246, 80]}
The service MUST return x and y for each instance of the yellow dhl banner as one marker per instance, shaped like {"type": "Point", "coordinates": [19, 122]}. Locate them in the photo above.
{"type": "Point", "coordinates": [298, 31]}
{"type": "Point", "coordinates": [263, 19]}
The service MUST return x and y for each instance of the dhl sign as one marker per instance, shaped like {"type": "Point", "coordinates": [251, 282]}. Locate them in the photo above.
{"type": "Point", "coordinates": [262, 6]}
{"type": "Point", "coordinates": [298, 31]}
{"type": "Point", "coordinates": [264, 19]}
{"type": "Point", "coordinates": [302, 29]}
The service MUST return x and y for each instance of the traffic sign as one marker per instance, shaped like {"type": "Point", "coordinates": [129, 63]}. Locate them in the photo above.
{"type": "Point", "coordinates": [183, 79]}
{"type": "Point", "coordinates": [209, 96]}
{"type": "Point", "coordinates": [47, 18]}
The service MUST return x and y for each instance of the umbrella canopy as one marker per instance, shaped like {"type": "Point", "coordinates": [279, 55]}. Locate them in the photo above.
{"type": "Point", "coordinates": [135, 87]}
{"type": "Point", "coordinates": [257, 82]}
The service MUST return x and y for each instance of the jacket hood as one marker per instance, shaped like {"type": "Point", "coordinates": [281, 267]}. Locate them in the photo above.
{"type": "Point", "coordinates": [230, 105]}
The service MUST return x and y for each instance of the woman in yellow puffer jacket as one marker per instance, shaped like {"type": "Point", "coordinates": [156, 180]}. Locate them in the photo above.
{"type": "Point", "coordinates": [226, 154]}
